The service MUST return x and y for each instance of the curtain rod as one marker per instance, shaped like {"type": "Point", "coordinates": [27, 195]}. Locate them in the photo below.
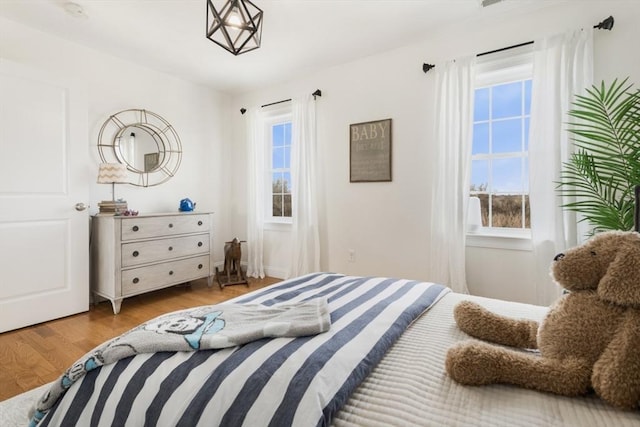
{"type": "Point", "coordinates": [275, 103]}
{"type": "Point", "coordinates": [606, 24]}
{"type": "Point", "coordinates": [504, 48]}
{"type": "Point", "coordinates": [315, 94]}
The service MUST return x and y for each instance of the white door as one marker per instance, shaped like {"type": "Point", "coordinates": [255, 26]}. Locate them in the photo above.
{"type": "Point", "coordinates": [44, 256]}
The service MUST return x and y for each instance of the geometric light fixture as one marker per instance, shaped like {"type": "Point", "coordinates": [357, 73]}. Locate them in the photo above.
{"type": "Point", "coordinates": [236, 25]}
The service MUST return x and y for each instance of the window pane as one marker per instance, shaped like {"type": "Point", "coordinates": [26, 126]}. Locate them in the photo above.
{"type": "Point", "coordinates": [276, 205]}
{"type": "Point", "coordinates": [286, 208]}
{"type": "Point", "coordinates": [507, 100]}
{"type": "Point", "coordinates": [526, 134]}
{"type": "Point", "coordinates": [278, 158]}
{"type": "Point", "coordinates": [286, 182]}
{"type": "Point", "coordinates": [484, 208]}
{"type": "Point", "coordinates": [506, 211]}
{"type": "Point", "coordinates": [525, 161]}
{"type": "Point", "coordinates": [278, 135]}
{"type": "Point", "coordinates": [507, 136]}
{"type": "Point", "coordinates": [527, 97]}
{"type": "Point", "coordinates": [286, 128]}
{"type": "Point", "coordinates": [479, 175]}
{"type": "Point", "coordinates": [480, 138]}
{"type": "Point", "coordinates": [481, 105]}
{"type": "Point", "coordinates": [507, 175]}
{"type": "Point", "coordinates": [287, 156]}
{"type": "Point", "coordinates": [277, 182]}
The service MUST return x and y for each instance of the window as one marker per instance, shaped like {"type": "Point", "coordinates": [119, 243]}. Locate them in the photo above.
{"type": "Point", "coordinates": [279, 167]}
{"type": "Point", "coordinates": [499, 157]}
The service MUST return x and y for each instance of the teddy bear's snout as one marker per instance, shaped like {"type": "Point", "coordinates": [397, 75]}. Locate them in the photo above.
{"type": "Point", "coordinates": [558, 257]}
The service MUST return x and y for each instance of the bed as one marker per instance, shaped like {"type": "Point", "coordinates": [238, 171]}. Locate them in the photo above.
{"type": "Point", "coordinates": [395, 381]}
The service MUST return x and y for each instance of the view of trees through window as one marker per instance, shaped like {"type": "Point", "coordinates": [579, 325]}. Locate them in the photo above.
{"type": "Point", "coordinates": [500, 167]}
{"type": "Point", "coordinates": [281, 205]}
{"type": "Point", "coordinates": [281, 170]}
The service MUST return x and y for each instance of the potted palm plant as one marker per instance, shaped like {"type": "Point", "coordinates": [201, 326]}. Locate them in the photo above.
{"type": "Point", "coordinates": [601, 175]}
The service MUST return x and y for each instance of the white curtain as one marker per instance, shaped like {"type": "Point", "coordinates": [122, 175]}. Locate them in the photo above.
{"type": "Point", "coordinates": [455, 82]}
{"type": "Point", "coordinates": [563, 67]}
{"type": "Point", "coordinates": [305, 239]}
{"type": "Point", "coordinates": [255, 193]}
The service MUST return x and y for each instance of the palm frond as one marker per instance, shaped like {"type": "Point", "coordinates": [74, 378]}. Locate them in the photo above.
{"type": "Point", "coordinates": [598, 179]}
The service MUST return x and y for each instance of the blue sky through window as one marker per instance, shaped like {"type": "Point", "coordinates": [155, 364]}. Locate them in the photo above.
{"type": "Point", "coordinates": [281, 140]}
{"type": "Point", "coordinates": [500, 136]}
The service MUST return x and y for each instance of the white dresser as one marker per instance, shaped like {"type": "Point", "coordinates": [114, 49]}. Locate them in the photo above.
{"type": "Point", "coordinates": [131, 255]}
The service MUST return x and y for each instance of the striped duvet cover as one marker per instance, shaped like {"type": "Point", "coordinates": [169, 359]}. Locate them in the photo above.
{"type": "Point", "coordinates": [277, 382]}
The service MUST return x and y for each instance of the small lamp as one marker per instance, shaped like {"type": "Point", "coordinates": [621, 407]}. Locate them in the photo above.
{"type": "Point", "coordinates": [112, 173]}
{"type": "Point", "coordinates": [474, 215]}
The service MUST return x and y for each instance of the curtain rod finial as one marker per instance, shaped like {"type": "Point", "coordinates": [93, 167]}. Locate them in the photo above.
{"type": "Point", "coordinates": [243, 110]}
{"type": "Point", "coordinates": [318, 92]}
{"type": "Point", "coordinates": [607, 24]}
{"type": "Point", "coordinates": [426, 67]}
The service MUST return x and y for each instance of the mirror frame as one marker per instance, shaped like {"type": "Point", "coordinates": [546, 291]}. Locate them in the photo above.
{"type": "Point", "coordinates": [163, 134]}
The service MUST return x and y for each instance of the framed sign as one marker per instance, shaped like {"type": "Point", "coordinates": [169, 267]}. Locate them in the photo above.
{"type": "Point", "coordinates": [151, 161]}
{"type": "Point", "coordinates": [370, 151]}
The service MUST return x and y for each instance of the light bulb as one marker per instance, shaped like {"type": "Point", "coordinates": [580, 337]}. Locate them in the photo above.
{"type": "Point", "coordinates": [233, 19]}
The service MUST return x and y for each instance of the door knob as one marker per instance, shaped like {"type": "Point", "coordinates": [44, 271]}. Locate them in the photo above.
{"type": "Point", "coordinates": [81, 206]}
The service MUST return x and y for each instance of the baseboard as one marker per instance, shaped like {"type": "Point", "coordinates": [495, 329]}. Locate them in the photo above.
{"type": "Point", "coordinates": [278, 273]}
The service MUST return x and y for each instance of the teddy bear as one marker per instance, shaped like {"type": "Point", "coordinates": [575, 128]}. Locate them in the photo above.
{"type": "Point", "coordinates": [589, 340]}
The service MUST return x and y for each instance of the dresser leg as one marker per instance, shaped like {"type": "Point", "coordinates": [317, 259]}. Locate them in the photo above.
{"type": "Point", "coordinates": [210, 281]}
{"type": "Point", "coordinates": [116, 303]}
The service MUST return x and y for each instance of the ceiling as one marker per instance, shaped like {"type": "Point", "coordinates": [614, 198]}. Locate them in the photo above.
{"type": "Point", "coordinates": [298, 36]}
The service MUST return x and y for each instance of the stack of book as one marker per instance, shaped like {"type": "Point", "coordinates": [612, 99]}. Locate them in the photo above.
{"type": "Point", "coordinates": [117, 207]}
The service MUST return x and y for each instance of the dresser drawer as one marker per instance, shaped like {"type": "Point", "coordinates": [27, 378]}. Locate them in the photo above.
{"type": "Point", "coordinates": [146, 227]}
{"type": "Point", "coordinates": [137, 280]}
{"type": "Point", "coordinates": [136, 253]}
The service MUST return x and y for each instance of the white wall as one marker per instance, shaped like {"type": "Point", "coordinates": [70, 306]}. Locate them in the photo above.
{"type": "Point", "coordinates": [196, 113]}
{"type": "Point", "coordinates": [386, 223]}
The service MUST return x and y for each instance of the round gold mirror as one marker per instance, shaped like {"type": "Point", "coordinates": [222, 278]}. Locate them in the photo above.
{"type": "Point", "coordinates": [143, 141]}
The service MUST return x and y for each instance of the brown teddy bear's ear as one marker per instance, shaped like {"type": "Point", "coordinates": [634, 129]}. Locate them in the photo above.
{"type": "Point", "coordinates": [621, 283]}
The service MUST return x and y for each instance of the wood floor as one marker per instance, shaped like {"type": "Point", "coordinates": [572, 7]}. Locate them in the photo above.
{"type": "Point", "coordinates": [36, 355]}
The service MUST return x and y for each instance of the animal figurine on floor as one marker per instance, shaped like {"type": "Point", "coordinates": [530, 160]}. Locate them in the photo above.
{"type": "Point", "coordinates": [588, 341]}
{"type": "Point", "coordinates": [232, 273]}
{"type": "Point", "coordinates": [232, 257]}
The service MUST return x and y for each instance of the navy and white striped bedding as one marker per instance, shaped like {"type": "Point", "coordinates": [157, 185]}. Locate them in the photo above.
{"type": "Point", "coordinates": [277, 382]}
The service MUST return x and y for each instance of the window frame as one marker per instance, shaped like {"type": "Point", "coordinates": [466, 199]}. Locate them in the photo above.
{"type": "Point", "coordinates": [274, 118]}
{"type": "Point", "coordinates": [501, 68]}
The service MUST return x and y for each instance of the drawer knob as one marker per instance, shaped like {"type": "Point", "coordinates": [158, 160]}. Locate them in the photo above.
{"type": "Point", "coordinates": [136, 228]}
{"type": "Point", "coordinates": [136, 280]}
{"type": "Point", "coordinates": [199, 222]}
{"type": "Point", "coordinates": [170, 225]}
{"type": "Point", "coordinates": [136, 253]}
{"type": "Point", "coordinates": [199, 266]}
{"type": "Point", "coordinates": [171, 273]}
{"type": "Point", "coordinates": [170, 248]}
{"type": "Point", "coordinates": [199, 244]}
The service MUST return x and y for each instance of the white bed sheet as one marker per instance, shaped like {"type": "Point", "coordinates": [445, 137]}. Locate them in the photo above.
{"type": "Point", "coordinates": [411, 388]}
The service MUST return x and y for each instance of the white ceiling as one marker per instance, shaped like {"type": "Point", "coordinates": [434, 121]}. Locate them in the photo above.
{"type": "Point", "coordinates": [298, 37]}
